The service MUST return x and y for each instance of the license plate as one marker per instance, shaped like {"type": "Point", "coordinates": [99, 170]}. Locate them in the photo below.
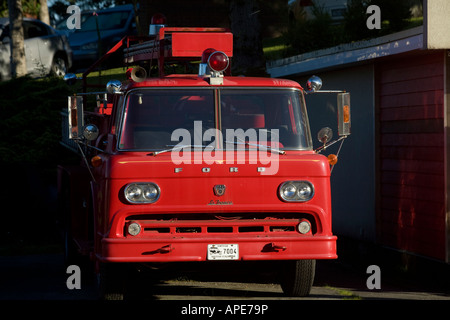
{"type": "Point", "coordinates": [223, 252]}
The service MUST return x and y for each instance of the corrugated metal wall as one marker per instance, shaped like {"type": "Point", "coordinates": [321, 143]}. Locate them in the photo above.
{"type": "Point", "coordinates": [412, 154]}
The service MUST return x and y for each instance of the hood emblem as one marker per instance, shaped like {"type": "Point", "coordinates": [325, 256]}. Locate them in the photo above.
{"type": "Point", "coordinates": [219, 189]}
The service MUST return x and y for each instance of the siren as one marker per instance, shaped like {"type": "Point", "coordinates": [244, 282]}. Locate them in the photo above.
{"type": "Point", "coordinates": [218, 61]}
{"type": "Point", "coordinates": [213, 64]}
{"type": "Point", "coordinates": [138, 74]}
{"type": "Point", "coordinates": [158, 21]}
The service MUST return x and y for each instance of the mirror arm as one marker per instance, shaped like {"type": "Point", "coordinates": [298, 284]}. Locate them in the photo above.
{"type": "Point", "coordinates": [85, 142]}
{"type": "Point", "coordinates": [85, 159]}
{"type": "Point", "coordinates": [95, 148]}
{"type": "Point", "coordinates": [324, 91]}
{"type": "Point", "coordinates": [326, 145]}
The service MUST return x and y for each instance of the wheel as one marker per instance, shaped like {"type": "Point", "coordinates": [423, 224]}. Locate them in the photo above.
{"type": "Point", "coordinates": [111, 281]}
{"type": "Point", "coordinates": [59, 66]}
{"type": "Point", "coordinates": [297, 277]}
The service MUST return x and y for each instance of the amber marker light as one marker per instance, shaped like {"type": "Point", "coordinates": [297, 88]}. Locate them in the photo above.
{"type": "Point", "coordinates": [96, 161]}
{"type": "Point", "coordinates": [346, 114]}
{"type": "Point", "coordinates": [332, 159]}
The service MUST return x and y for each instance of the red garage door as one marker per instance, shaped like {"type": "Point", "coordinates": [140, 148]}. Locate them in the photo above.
{"type": "Point", "coordinates": [412, 154]}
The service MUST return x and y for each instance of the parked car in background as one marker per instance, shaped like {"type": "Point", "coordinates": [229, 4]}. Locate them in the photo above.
{"type": "Point", "coordinates": [113, 24]}
{"type": "Point", "coordinates": [46, 50]}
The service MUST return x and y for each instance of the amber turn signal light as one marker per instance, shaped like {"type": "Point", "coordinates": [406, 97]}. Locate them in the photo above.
{"type": "Point", "coordinates": [332, 159]}
{"type": "Point", "coordinates": [346, 114]}
{"type": "Point", "coordinates": [96, 161]}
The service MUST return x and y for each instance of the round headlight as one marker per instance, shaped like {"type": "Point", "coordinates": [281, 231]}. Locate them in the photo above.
{"type": "Point", "coordinates": [133, 193]}
{"type": "Point", "coordinates": [141, 193]}
{"type": "Point", "coordinates": [305, 191]}
{"type": "Point", "coordinates": [296, 191]}
{"type": "Point", "coordinates": [151, 192]}
{"type": "Point", "coordinates": [289, 191]}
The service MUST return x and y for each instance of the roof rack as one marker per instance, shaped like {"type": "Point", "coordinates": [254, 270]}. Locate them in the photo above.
{"type": "Point", "coordinates": [168, 45]}
{"type": "Point", "coordinates": [179, 44]}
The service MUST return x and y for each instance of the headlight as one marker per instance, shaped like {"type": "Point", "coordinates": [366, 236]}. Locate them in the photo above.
{"type": "Point", "coordinates": [296, 191]}
{"type": "Point", "coordinates": [142, 192]}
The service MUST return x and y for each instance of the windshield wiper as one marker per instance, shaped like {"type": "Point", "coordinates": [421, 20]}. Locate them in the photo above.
{"type": "Point", "coordinates": [175, 148]}
{"type": "Point", "coordinates": [267, 148]}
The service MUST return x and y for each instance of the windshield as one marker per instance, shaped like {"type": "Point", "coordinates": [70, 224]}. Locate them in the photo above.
{"type": "Point", "coordinates": [223, 118]}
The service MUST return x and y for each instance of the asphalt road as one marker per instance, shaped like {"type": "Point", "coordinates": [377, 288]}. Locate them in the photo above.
{"type": "Point", "coordinates": [43, 277]}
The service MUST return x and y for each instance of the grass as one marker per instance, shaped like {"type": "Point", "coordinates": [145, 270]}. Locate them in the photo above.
{"type": "Point", "coordinates": [346, 294]}
{"type": "Point", "coordinates": [114, 73]}
{"type": "Point", "coordinates": [101, 78]}
{"type": "Point", "coordinates": [275, 48]}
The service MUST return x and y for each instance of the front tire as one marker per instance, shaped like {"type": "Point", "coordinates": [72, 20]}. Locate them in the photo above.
{"type": "Point", "coordinates": [59, 66]}
{"type": "Point", "coordinates": [297, 277]}
{"type": "Point", "coordinates": [111, 281]}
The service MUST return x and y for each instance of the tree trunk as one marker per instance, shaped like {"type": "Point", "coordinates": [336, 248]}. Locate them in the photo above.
{"type": "Point", "coordinates": [248, 56]}
{"type": "Point", "coordinates": [18, 61]}
{"type": "Point", "coordinates": [43, 12]}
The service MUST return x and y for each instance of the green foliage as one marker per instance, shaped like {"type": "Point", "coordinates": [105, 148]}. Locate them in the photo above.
{"type": "Point", "coordinates": [305, 35]}
{"type": "Point", "coordinates": [30, 151]}
{"type": "Point", "coordinates": [354, 25]}
{"type": "Point", "coordinates": [395, 12]}
{"type": "Point", "coordinates": [29, 7]}
{"type": "Point", "coordinates": [31, 120]}
{"type": "Point", "coordinates": [3, 8]}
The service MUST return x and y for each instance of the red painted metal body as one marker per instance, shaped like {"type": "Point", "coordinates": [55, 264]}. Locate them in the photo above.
{"type": "Point", "coordinates": [189, 215]}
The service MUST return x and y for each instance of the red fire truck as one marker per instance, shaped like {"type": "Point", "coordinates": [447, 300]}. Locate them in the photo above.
{"type": "Point", "coordinates": [196, 167]}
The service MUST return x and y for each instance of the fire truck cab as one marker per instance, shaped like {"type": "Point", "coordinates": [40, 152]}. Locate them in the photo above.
{"type": "Point", "coordinates": [197, 167]}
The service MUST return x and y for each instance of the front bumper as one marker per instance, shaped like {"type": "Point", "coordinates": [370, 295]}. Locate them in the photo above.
{"type": "Point", "coordinates": [184, 249]}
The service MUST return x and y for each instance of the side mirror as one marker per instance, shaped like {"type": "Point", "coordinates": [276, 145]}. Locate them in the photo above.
{"type": "Point", "coordinates": [113, 86]}
{"type": "Point", "coordinates": [343, 110]}
{"type": "Point", "coordinates": [90, 132]}
{"type": "Point", "coordinates": [313, 84]}
{"type": "Point", "coordinates": [325, 135]}
{"type": "Point", "coordinates": [75, 112]}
